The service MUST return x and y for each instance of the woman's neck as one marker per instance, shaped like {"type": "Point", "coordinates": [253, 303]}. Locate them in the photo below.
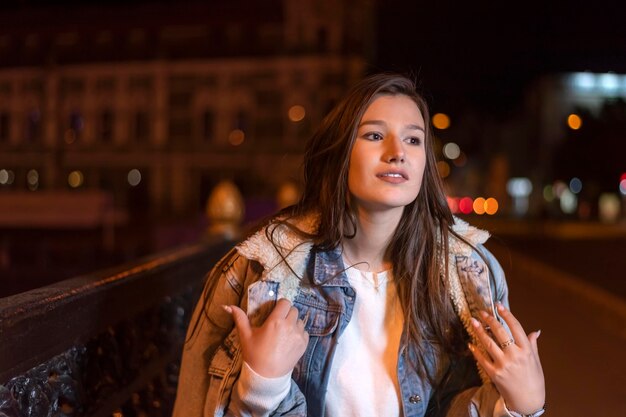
{"type": "Point", "coordinates": [369, 246]}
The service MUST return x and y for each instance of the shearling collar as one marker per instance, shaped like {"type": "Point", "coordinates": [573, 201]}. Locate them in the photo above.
{"type": "Point", "coordinates": [289, 246]}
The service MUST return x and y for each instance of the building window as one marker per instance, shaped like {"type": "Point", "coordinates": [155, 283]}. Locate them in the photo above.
{"type": "Point", "coordinates": [140, 83]}
{"type": "Point", "coordinates": [241, 121]}
{"type": "Point", "coordinates": [105, 84]}
{"type": "Point", "coordinates": [141, 126]}
{"type": "Point", "coordinates": [208, 125]}
{"type": "Point", "coordinates": [33, 126]}
{"type": "Point", "coordinates": [69, 86]}
{"type": "Point", "coordinates": [4, 126]}
{"type": "Point", "coordinates": [180, 129]}
{"type": "Point", "coordinates": [76, 125]}
{"type": "Point", "coordinates": [322, 39]}
{"type": "Point", "coordinates": [106, 125]}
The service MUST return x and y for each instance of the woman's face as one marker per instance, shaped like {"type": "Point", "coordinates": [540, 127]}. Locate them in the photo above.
{"type": "Point", "coordinates": [389, 156]}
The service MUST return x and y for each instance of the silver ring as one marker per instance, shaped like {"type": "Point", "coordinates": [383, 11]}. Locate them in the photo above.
{"type": "Point", "coordinates": [506, 343]}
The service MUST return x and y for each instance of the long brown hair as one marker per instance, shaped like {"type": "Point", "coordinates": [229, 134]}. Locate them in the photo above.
{"type": "Point", "coordinates": [418, 249]}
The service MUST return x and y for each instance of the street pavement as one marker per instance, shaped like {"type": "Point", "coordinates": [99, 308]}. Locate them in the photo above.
{"type": "Point", "coordinates": [583, 340]}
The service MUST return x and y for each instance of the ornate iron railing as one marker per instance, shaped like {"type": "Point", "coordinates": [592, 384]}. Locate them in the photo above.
{"type": "Point", "coordinates": [103, 344]}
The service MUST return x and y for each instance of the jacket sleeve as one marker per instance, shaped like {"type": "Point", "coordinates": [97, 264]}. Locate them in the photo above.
{"type": "Point", "coordinates": [461, 394]}
{"type": "Point", "coordinates": [209, 329]}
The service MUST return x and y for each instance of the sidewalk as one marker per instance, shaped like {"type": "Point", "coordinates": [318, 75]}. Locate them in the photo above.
{"type": "Point", "coordinates": [583, 339]}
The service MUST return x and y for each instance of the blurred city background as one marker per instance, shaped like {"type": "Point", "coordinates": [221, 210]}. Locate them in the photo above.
{"type": "Point", "coordinates": [126, 125]}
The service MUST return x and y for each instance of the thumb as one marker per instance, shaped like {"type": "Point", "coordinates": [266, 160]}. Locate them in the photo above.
{"type": "Point", "coordinates": [241, 321]}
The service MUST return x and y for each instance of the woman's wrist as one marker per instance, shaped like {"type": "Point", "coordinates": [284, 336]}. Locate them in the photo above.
{"type": "Point", "coordinates": [514, 413]}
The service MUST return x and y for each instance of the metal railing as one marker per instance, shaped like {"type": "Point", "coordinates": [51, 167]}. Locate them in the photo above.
{"type": "Point", "coordinates": [103, 344]}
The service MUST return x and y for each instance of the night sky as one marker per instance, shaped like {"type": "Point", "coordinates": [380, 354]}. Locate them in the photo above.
{"type": "Point", "coordinates": [484, 53]}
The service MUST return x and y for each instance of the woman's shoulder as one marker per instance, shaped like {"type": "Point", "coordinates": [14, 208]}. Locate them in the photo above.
{"type": "Point", "coordinates": [464, 238]}
{"type": "Point", "coordinates": [282, 248]}
{"type": "Point", "coordinates": [469, 241]}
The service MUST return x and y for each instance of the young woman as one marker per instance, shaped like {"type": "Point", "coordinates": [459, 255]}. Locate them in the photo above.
{"type": "Point", "coordinates": [367, 298]}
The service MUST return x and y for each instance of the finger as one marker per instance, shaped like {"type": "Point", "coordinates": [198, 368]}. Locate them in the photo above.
{"type": "Point", "coordinates": [487, 341]}
{"type": "Point", "coordinates": [514, 325]}
{"type": "Point", "coordinates": [293, 314]}
{"type": "Point", "coordinates": [533, 337]}
{"type": "Point", "coordinates": [497, 329]}
{"type": "Point", "coordinates": [281, 309]}
{"type": "Point", "coordinates": [242, 323]}
{"type": "Point", "coordinates": [484, 362]}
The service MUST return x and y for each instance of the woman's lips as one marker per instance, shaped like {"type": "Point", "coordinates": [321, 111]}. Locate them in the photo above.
{"type": "Point", "coordinates": [393, 177]}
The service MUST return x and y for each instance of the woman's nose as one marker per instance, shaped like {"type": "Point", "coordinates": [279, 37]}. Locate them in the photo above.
{"type": "Point", "coordinates": [394, 151]}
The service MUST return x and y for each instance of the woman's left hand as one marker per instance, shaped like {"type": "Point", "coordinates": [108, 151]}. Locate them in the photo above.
{"type": "Point", "coordinates": [513, 363]}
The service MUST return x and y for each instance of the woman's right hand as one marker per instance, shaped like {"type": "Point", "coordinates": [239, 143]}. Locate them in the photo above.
{"type": "Point", "coordinates": [273, 349]}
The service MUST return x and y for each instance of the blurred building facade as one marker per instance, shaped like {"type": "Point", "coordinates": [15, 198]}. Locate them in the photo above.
{"type": "Point", "coordinates": [156, 103]}
{"type": "Point", "coordinates": [580, 119]}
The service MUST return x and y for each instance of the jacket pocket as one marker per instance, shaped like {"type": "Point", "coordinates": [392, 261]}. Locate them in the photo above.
{"type": "Point", "coordinates": [262, 297]}
{"type": "Point", "coordinates": [223, 369]}
{"type": "Point", "coordinates": [321, 317]}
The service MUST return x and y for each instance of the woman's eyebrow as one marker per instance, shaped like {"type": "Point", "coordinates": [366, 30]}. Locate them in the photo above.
{"type": "Point", "coordinates": [415, 127]}
{"type": "Point", "coordinates": [373, 122]}
{"type": "Point", "coordinates": [382, 123]}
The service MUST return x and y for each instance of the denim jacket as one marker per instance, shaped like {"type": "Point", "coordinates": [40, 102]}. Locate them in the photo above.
{"type": "Point", "coordinates": [256, 276]}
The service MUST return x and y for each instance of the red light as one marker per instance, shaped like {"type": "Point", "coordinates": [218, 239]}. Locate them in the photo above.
{"type": "Point", "coordinates": [466, 205]}
{"type": "Point", "coordinates": [453, 203]}
{"type": "Point", "coordinates": [623, 177]}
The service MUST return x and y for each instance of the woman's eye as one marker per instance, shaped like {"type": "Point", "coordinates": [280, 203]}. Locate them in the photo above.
{"type": "Point", "coordinates": [414, 141]}
{"type": "Point", "coordinates": [373, 136]}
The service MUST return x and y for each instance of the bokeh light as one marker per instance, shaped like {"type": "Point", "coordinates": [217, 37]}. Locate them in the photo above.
{"type": "Point", "coordinates": [575, 185]}
{"type": "Point", "coordinates": [608, 207]}
{"type": "Point", "coordinates": [479, 206]}
{"type": "Point", "coordinates": [519, 187]}
{"type": "Point", "coordinates": [466, 205]}
{"type": "Point", "coordinates": [32, 179]}
{"type": "Point", "coordinates": [584, 81]}
{"type": "Point", "coordinates": [451, 150]}
{"type": "Point", "coordinates": [453, 203]}
{"type": "Point", "coordinates": [574, 121]}
{"type": "Point", "coordinates": [609, 81]}
{"type": "Point", "coordinates": [296, 113]}
{"type": "Point", "coordinates": [287, 195]}
{"type": "Point", "coordinates": [134, 177]}
{"type": "Point", "coordinates": [441, 121]}
{"type": "Point", "coordinates": [4, 177]}
{"type": "Point", "coordinates": [548, 193]}
{"type": "Point", "coordinates": [569, 201]}
{"type": "Point", "coordinates": [236, 137]}
{"type": "Point", "coordinates": [75, 179]}
{"type": "Point", "coordinates": [558, 188]}
{"type": "Point", "coordinates": [70, 136]}
{"type": "Point", "coordinates": [491, 206]}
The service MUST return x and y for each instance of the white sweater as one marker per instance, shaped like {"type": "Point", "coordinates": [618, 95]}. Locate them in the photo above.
{"type": "Point", "coordinates": [363, 377]}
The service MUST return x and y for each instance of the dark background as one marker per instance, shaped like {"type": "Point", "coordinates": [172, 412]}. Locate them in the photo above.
{"type": "Point", "coordinates": [484, 54]}
{"type": "Point", "coordinates": [479, 53]}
